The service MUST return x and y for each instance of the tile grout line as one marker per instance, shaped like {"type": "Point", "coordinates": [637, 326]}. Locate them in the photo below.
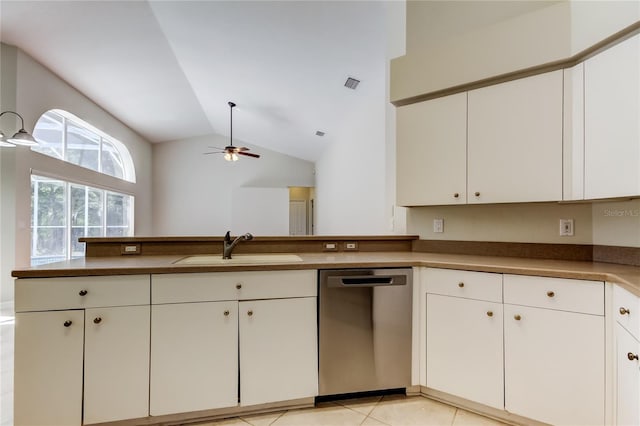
{"type": "Point", "coordinates": [278, 418]}
{"type": "Point", "coordinates": [455, 413]}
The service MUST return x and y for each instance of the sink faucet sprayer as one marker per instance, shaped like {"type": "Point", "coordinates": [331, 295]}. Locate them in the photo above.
{"type": "Point", "coordinates": [227, 245]}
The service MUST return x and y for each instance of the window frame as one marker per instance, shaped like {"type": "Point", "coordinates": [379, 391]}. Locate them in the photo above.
{"type": "Point", "coordinates": [69, 254]}
{"type": "Point", "coordinates": [126, 161]}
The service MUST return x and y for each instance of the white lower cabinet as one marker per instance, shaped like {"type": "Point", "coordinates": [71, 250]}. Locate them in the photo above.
{"type": "Point", "coordinates": [554, 365]}
{"type": "Point", "coordinates": [464, 348]}
{"type": "Point", "coordinates": [81, 350]}
{"type": "Point", "coordinates": [194, 362]}
{"type": "Point", "coordinates": [628, 378]}
{"type": "Point", "coordinates": [228, 339]}
{"type": "Point", "coordinates": [48, 368]}
{"type": "Point", "coordinates": [278, 350]}
{"type": "Point", "coordinates": [116, 363]}
{"type": "Point", "coordinates": [532, 346]}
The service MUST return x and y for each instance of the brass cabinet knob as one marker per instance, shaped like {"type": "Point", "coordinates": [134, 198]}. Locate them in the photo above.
{"type": "Point", "coordinates": [624, 311]}
{"type": "Point", "coordinates": [477, 194]}
{"type": "Point", "coordinates": [250, 313]}
{"type": "Point", "coordinates": [83, 292]}
{"type": "Point", "coordinates": [550, 293]}
{"type": "Point", "coordinates": [632, 356]}
{"type": "Point", "coordinates": [97, 320]}
{"type": "Point", "coordinates": [460, 284]}
{"type": "Point", "coordinates": [226, 313]}
{"type": "Point", "coordinates": [517, 317]}
{"type": "Point", "coordinates": [238, 286]}
{"type": "Point", "coordinates": [489, 313]}
{"type": "Point", "coordinates": [456, 195]}
{"type": "Point", "coordinates": [67, 323]}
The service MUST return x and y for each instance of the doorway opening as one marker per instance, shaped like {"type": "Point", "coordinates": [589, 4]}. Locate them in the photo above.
{"type": "Point", "coordinates": [301, 210]}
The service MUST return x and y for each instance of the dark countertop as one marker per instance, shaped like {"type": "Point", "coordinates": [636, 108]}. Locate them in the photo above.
{"type": "Point", "coordinates": [626, 276]}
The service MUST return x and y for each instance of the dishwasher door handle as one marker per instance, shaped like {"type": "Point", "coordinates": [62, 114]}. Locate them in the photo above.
{"type": "Point", "coordinates": [366, 280]}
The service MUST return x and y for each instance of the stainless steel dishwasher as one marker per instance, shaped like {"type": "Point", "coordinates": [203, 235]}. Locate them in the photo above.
{"type": "Point", "coordinates": [364, 330]}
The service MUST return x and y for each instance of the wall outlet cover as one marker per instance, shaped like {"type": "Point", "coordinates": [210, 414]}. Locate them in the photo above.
{"type": "Point", "coordinates": [566, 227]}
{"type": "Point", "coordinates": [438, 225]}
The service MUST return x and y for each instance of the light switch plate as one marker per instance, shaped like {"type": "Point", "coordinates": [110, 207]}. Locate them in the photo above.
{"type": "Point", "coordinates": [438, 225]}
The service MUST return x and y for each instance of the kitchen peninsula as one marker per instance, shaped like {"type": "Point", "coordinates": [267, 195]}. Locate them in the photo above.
{"type": "Point", "coordinates": [109, 322]}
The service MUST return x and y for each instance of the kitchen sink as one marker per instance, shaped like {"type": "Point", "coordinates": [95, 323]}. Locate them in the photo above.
{"type": "Point", "coordinates": [216, 259]}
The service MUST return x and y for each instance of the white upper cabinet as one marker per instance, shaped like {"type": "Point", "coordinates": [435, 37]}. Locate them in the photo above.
{"type": "Point", "coordinates": [612, 121]}
{"type": "Point", "coordinates": [432, 152]}
{"type": "Point", "coordinates": [515, 141]}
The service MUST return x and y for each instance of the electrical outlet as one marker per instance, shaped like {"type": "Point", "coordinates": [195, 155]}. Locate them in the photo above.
{"type": "Point", "coordinates": [566, 227]}
{"type": "Point", "coordinates": [329, 246]}
{"type": "Point", "coordinates": [351, 246]}
{"type": "Point", "coordinates": [438, 225]}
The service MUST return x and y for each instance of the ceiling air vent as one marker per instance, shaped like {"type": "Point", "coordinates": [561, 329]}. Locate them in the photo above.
{"type": "Point", "coordinates": [319, 133]}
{"type": "Point", "coordinates": [351, 83]}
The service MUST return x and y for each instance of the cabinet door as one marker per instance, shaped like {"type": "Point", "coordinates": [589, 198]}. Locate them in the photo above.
{"type": "Point", "coordinates": [116, 364]}
{"type": "Point", "coordinates": [554, 365]}
{"type": "Point", "coordinates": [278, 350]}
{"type": "Point", "coordinates": [628, 378]}
{"type": "Point", "coordinates": [464, 349]}
{"type": "Point", "coordinates": [48, 368]}
{"type": "Point", "coordinates": [431, 152]}
{"type": "Point", "coordinates": [515, 141]}
{"type": "Point", "coordinates": [194, 357]}
{"type": "Point", "coordinates": [612, 117]}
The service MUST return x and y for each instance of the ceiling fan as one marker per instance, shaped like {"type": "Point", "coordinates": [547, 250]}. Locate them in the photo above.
{"type": "Point", "coordinates": [231, 152]}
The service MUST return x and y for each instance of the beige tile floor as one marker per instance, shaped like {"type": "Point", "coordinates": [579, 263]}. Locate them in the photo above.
{"type": "Point", "coordinates": [393, 410]}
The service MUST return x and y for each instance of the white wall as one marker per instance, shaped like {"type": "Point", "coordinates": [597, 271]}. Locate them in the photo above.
{"type": "Point", "coordinates": [351, 175]}
{"type": "Point", "coordinates": [547, 34]}
{"type": "Point", "coordinates": [193, 193]}
{"type": "Point", "coordinates": [355, 176]}
{"type": "Point", "coordinates": [31, 89]}
{"type": "Point", "coordinates": [260, 211]}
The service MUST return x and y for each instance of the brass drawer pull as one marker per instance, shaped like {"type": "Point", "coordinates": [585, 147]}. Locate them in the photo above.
{"type": "Point", "coordinates": [456, 195]}
{"type": "Point", "coordinates": [624, 311]}
{"type": "Point", "coordinates": [489, 313]}
{"type": "Point", "coordinates": [550, 293]}
{"type": "Point", "coordinates": [517, 317]}
{"type": "Point", "coordinates": [250, 313]}
{"type": "Point", "coordinates": [83, 292]}
{"type": "Point", "coordinates": [461, 285]}
{"type": "Point", "coordinates": [226, 313]}
{"type": "Point", "coordinates": [67, 323]}
{"type": "Point", "coordinates": [97, 320]}
{"type": "Point", "coordinates": [632, 356]}
{"type": "Point", "coordinates": [238, 286]}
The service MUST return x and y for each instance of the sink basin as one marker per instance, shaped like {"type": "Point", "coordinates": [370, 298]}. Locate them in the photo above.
{"type": "Point", "coordinates": [216, 259]}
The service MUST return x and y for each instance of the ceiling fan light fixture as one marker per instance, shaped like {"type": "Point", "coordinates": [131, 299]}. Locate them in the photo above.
{"type": "Point", "coordinates": [231, 156]}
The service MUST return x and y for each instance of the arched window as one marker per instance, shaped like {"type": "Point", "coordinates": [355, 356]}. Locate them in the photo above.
{"type": "Point", "coordinates": [63, 135]}
{"type": "Point", "coordinates": [63, 210]}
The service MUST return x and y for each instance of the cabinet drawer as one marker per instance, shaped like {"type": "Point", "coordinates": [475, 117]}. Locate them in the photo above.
{"type": "Point", "coordinates": [626, 308]}
{"type": "Point", "coordinates": [216, 286]}
{"type": "Point", "coordinates": [46, 294]}
{"type": "Point", "coordinates": [467, 284]}
{"type": "Point", "coordinates": [555, 293]}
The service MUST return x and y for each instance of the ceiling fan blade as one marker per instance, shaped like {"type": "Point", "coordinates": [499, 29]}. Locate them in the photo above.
{"type": "Point", "coordinates": [216, 152]}
{"type": "Point", "coordinates": [215, 147]}
{"type": "Point", "coordinates": [242, 148]}
{"type": "Point", "coordinates": [248, 154]}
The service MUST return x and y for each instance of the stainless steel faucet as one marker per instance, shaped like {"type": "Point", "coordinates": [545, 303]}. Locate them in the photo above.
{"type": "Point", "coordinates": [228, 245]}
